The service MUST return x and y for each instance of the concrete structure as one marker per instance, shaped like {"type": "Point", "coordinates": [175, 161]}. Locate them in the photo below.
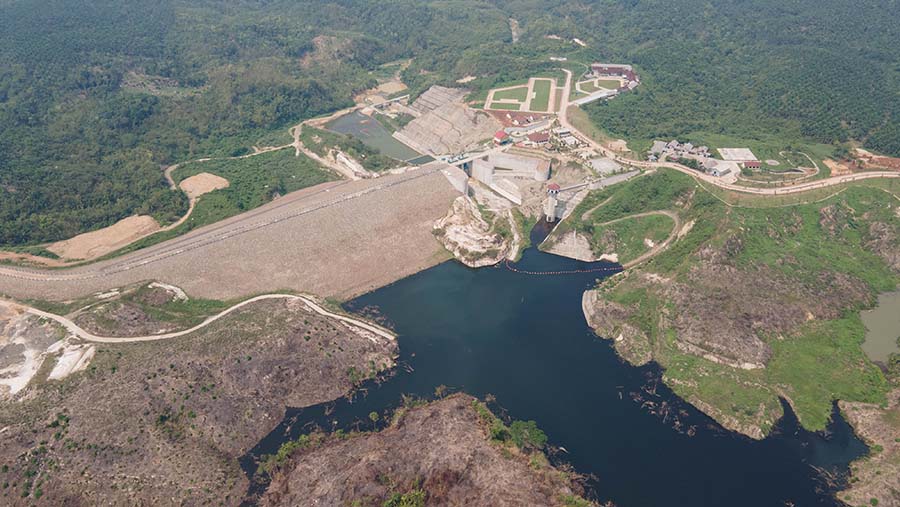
{"type": "Point", "coordinates": [504, 165]}
{"type": "Point", "coordinates": [737, 154]}
{"type": "Point", "coordinates": [497, 170]}
{"type": "Point", "coordinates": [445, 125]}
{"type": "Point", "coordinates": [604, 166]}
{"type": "Point", "coordinates": [551, 203]}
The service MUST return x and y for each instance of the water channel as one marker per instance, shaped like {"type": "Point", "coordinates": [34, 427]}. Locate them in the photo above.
{"type": "Point", "coordinates": [523, 339]}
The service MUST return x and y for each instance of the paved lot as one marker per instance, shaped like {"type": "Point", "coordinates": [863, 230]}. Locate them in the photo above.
{"type": "Point", "coordinates": [335, 239]}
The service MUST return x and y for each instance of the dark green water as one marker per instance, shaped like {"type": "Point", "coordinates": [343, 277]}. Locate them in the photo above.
{"type": "Point", "coordinates": [373, 134]}
{"type": "Point", "coordinates": [524, 340]}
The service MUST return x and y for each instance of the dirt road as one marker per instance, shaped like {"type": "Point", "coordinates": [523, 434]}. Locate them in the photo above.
{"type": "Point", "coordinates": [85, 335]}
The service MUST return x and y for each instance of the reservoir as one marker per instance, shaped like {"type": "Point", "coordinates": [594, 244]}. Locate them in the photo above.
{"type": "Point", "coordinates": [523, 340]}
{"type": "Point", "coordinates": [882, 328]}
{"type": "Point", "coordinates": [373, 134]}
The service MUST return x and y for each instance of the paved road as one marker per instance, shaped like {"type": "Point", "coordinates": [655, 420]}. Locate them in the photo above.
{"type": "Point", "coordinates": [803, 187]}
{"type": "Point", "coordinates": [88, 336]}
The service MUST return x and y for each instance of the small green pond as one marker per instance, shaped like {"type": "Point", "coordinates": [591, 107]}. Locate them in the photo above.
{"type": "Point", "coordinates": [882, 327]}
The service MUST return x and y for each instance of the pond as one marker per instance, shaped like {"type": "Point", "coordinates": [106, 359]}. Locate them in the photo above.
{"type": "Point", "coordinates": [523, 339]}
{"type": "Point", "coordinates": [373, 134]}
{"type": "Point", "coordinates": [882, 328]}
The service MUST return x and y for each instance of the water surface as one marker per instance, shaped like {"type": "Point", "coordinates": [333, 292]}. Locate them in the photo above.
{"type": "Point", "coordinates": [524, 340]}
{"type": "Point", "coordinates": [373, 134]}
{"type": "Point", "coordinates": [882, 328]}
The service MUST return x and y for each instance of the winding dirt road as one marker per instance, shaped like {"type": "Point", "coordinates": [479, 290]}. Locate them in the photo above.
{"type": "Point", "coordinates": [87, 336]}
{"type": "Point", "coordinates": [656, 248]}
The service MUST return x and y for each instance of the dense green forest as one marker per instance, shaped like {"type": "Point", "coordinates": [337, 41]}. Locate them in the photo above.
{"type": "Point", "coordinates": [95, 97]}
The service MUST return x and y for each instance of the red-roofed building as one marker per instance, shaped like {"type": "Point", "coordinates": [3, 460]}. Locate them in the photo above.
{"type": "Point", "coordinates": [539, 138]}
{"type": "Point", "coordinates": [501, 137]}
{"type": "Point", "coordinates": [752, 164]}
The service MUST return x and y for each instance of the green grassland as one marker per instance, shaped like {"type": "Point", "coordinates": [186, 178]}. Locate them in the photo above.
{"type": "Point", "coordinates": [520, 93]}
{"type": "Point", "coordinates": [541, 100]}
{"type": "Point", "coordinates": [505, 106]}
{"type": "Point", "coordinates": [626, 238]}
{"type": "Point", "coordinates": [253, 181]}
{"type": "Point", "coordinates": [815, 362]}
{"type": "Point", "coordinates": [601, 84]}
{"type": "Point", "coordinates": [609, 84]}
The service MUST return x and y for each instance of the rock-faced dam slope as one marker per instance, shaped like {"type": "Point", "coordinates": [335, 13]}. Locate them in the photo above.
{"type": "Point", "coordinates": [335, 239]}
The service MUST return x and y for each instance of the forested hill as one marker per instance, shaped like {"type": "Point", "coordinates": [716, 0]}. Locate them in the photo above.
{"type": "Point", "coordinates": [96, 95]}
{"type": "Point", "coordinates": [826, 70]}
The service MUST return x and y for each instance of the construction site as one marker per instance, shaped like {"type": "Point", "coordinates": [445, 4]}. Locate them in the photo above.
{"type": "Point", "coordinates": [344, 238]}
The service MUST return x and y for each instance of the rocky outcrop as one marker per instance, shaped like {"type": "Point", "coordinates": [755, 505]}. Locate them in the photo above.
{"type": "Point", "coordinates": [470, 238]}
{"type": "Point", "coordinates": [876, 476]}
{"type": "Point", "coordinates": [610, 320]}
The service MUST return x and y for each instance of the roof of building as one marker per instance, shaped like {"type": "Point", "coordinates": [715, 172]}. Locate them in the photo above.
{"type": "Point", "coordinates": [658, 147]}
{"type": "Point", "coordinates": [500, 134]}
{"type": "Point", "coordinates": [553, 186]}
{"type": "Point", "coordinates": [539, 137]}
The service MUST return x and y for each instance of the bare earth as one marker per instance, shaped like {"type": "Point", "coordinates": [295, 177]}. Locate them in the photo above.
{"type": "Point", "coordinates": [163, 423]}
{"type": "Point", "coordinates": [442, 448]}
{"type": "Point", "coordinates": [337, 239]}
{"type": "Point", "coordinates": [91, 245]}
{"type": "Point", "coordinates": [202, 183]}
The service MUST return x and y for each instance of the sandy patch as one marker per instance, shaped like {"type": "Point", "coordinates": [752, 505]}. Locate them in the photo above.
{"type": "Point", "coordinates": [94, 244]}
{"type": "Point", "coordinates": [73, 358]}
{"type": "Point", "coordinates": [837, 168]}
{"type": "Point", "coordinates": [467, 79]}
{"type": "Point", "coordinates": [619, 145]}
{"type": "Point", "coordinates": [391, 87]}
{"type": "Point", "coordinates": [27, 341]}
{"type": "Point", "coordinates": [202, 183]}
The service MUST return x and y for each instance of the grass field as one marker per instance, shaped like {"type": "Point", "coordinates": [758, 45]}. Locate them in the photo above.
{"type": "Point", "coordinates": [541, 100]}
{"type": "Point", "coordinates": [519, 93]}
{"type": "Point", "coordinates": [253, 181]}
{"type": "Point", "coordinates": [626, 237]}
{"type": "Point", "coordinates": [609, 84]}
{"type": "Point", "coordinates": [757, 240]}
{"type": "Point", "coordinates": [505, 106]}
